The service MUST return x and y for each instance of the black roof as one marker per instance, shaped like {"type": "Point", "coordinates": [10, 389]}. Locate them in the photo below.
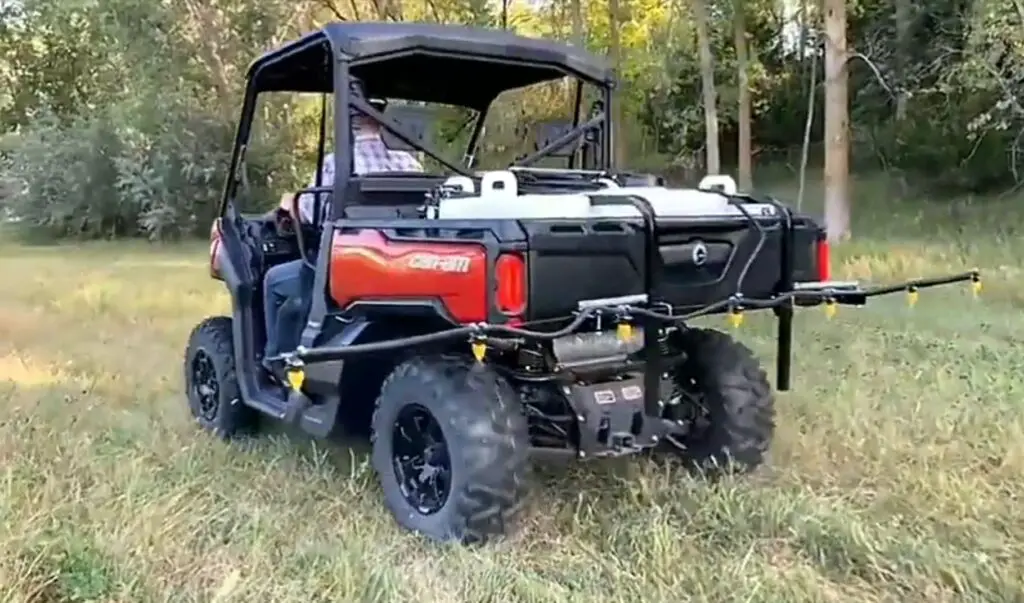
{"type": "Point", "coordinates": [450, 64]}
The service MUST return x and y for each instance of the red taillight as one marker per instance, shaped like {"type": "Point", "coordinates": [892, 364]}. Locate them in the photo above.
{"type": "Point", "coordinates": [510, 274]}
{"type": "Point", "coordinates": [824, 268]}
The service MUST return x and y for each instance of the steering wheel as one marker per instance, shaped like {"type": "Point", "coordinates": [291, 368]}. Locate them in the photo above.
{"type": "Point", "coordinates": [284, 223]}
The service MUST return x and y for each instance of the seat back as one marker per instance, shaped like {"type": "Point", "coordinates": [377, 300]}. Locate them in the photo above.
{"type": "Point", "coordinates": [547, 131]}
{"type": "Point", "coordinates": [414, 119]}
{"type": "Point", "coordinates": [385, 197]}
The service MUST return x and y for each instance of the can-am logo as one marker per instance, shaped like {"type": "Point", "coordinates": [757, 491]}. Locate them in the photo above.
{"type": "Point", "coordinates": [440, 263]}
{"type": "Point", "coordinates": [700, 253]}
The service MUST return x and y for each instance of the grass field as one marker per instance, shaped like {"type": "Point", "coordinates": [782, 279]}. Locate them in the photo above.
{"type": "Point", "coordinates": [896, 474]}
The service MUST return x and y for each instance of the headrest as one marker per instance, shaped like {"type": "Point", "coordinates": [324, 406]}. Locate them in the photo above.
{"type": "Point", "coordinates": [357, 90]}
{"type": "Point", "coordinates": [414, 119]}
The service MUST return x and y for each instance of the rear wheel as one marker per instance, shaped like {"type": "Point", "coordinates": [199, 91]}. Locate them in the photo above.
{"type": "Point", "coordinates": [451, 449]}
{"type": "Point", "coordinates": [211, 382]}
{"type": "Point", "coordinates": [722, 400]}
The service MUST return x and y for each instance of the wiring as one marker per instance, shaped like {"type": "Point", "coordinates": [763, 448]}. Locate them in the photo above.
{"type": "Point", "coordinates": [624, 313]}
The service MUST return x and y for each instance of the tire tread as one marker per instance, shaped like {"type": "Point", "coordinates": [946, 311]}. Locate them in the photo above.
{"type": "Point", "coordinates": [484, 426]}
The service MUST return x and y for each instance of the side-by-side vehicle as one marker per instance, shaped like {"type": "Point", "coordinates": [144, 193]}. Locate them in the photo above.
{"type": "Point", "coordinates": [473, 317]}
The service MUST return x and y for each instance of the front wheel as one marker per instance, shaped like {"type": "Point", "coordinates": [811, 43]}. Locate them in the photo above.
{"type": "Point", "coordinates": [723, 402]}
{"type": "Point", "coordinates": [451, 449]}
{"type": "Point", "coordinates": [211, 381]}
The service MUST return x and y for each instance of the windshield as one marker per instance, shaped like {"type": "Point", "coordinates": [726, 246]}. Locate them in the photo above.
{"type": "Point", "coordinates": [537, 126]}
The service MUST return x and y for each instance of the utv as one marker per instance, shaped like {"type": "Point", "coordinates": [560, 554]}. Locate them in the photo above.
{"type": "Point", "coordinates": [472, 318]}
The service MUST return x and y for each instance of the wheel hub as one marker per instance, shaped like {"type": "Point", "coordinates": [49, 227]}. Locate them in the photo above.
{"type": "Point", "coordinates": [420, 459]}
{"type": "Point", "coordinates": [685, 406]}
{"type": "Point", "coordinates": [205, 386]}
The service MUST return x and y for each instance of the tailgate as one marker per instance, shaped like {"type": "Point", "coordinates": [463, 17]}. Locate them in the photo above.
{"type": "Point", "coordinates": [696, 260]}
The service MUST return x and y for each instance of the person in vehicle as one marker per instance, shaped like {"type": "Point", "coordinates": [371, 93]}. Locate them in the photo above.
{"type": "Point", "coordinates": [284, 281]}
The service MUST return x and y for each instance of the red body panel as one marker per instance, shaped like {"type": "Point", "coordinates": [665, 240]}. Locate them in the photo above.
{"type": "Point", "coordinates": [366, 266]}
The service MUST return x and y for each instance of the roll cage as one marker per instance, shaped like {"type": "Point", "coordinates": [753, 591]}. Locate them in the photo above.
{"type": "Point", "coordinates": [461, 66]}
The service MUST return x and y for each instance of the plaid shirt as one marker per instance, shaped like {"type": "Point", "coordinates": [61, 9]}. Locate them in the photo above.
{"type": "Point", "coordinates": [369, 156]}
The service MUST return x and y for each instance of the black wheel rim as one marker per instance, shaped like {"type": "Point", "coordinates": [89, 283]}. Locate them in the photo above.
{"type": "Point", "coordinates": [205, 388]}
{"type": "Point", "coordinates": [419, 454]}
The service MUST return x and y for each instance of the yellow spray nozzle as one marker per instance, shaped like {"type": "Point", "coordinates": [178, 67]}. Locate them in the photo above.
{"type": "Point", "coordinates": [736, 317]}
{"type": "Point", "coordinates": [296, 377]}
{"type": "Point", "coordinates": [479, 349]}
{"type": "Point", "coordinates": [830, 308]}
{"type": "Point", "coordinates": [976, 285]}
{"type": "Point", "coordinates": [624, 331]}
{"type": "Point", "coordinates": [912, 296]}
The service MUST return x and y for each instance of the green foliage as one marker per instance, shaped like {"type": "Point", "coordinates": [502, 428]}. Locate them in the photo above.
{"type": "Point", "coordinates": [960, 66]}
{"type": "Point", "coordinates": [157, 174]}
{"type": "Point", "coordinates": [117, 116]}
{"type": "Point", "coordinates": [117, 126]}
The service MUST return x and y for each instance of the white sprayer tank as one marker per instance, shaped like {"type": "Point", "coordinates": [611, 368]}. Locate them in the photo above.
{"type": "Point", "coordinates": [499, 199]}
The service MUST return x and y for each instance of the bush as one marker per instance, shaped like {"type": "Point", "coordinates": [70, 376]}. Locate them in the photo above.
{"type": "Point", "coordinates": [151, 169]}
{"type": "Point", "coordinates": [951, 144]}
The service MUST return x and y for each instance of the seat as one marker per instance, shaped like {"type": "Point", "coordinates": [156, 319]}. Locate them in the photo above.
{"type": "Point", "coordinates": [547, 131]}
{"type": "Point", "coordinates": [388, 196]}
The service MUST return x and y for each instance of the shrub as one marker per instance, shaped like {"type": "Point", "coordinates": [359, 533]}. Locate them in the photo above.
{"type": "Point", "coordinates": [151, 169]}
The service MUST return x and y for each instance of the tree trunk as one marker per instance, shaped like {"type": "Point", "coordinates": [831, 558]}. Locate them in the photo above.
{"type": "Point", "coordinates": [746, 177]}
{"type": "Point", "coordinates": [707, 77]}
{"type": "Point", "coordinates": [615, 51]}
{"type": "Point", "coordinates": [804, 22]}
{"type": "Point", "coordinates": [205, 22]}
{"type": "Point", "coordinates": [805, 28]}
{"type": "Point", "coordinates": [837, 168]}
{"type": "Point", "coordinates": [903, 49]}
{"type": "Point", "coordinates": [576, 10]}
{"type": "Point", "coordinates": [388, 9]}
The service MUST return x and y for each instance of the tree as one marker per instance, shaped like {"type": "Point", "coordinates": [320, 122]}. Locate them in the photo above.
{"type": "Point", "coordinates": [802, 22]}
{"type": "Point", "coordinates": [576, 10]}
{"type": "Point", "coordinates": [745, 169]}
{"type": "Point", "coordinates": [903, 50]}
{"type": "Point", "coordinates": [143, 100]}
{"type": "Point", "coordinates": [707, 78]}
{"type": "Point", "coordinates": [615, 51]}
{"type": "Point", "coordinates": [837, 174]}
